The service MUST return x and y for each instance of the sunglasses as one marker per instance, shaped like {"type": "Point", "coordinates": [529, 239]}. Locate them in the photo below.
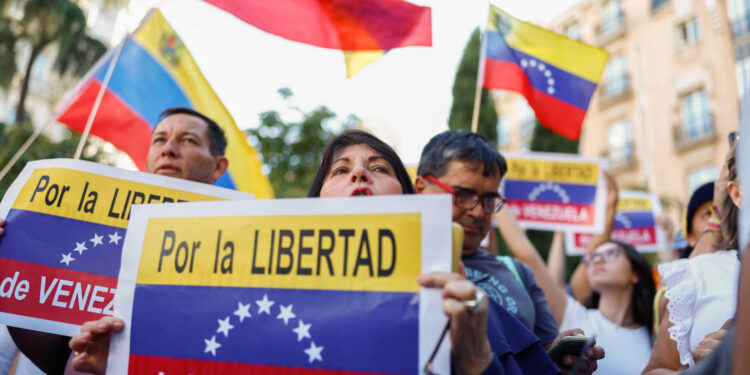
{"type": "Point", "coordinates": [606, 256]}
{"type": "Point", "coordinates": [468, 199]}
{"type": "Point", "coordinates": [733, 138]}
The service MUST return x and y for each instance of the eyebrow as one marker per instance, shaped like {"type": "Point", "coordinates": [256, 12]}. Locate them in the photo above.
{"type": "Point", "coordinates": [346, 159]}
{"type": "Point", "coordinates": [187, 132]}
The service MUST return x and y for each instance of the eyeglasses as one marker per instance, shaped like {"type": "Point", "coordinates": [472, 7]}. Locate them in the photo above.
{"type": "Point", "coordinates": [468, 199]}
{"type": "Point", "coordinates": [733, 138]}
{"type": "Point", "coordinates": [606, 255]}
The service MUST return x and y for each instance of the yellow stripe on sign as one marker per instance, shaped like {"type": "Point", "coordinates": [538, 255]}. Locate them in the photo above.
{"type": "Point", "coordinates": [369, 252]}
{"type": "Point", "coordinates": [573, 56]}
{"type": "Point", "coordinates": [92, 197]}
{"type": "Point", "coordinates": [244, 164]}
{"type": "Point", "coordinates": [633, 204]}
{"type": "Point", "coordinates": [553, 171]}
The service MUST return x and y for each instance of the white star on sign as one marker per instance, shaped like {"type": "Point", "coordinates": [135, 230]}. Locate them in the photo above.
{"type": "Point", "coordinates": [66, 258]}
{"type": "Point", "coordinates": [211, 345]}
{"type": "Point", "coordinates": [224, 326]}
{"type": "Point", "coordinates": [114, 238]}
{"type": "Point", "coordinates": [314, 352]}
{"type": "Point", "coordinates": [264, 305]}
{"type": "Point", "coordinates": [80, 247]}
{"type": "Point", "coordinates": [97, 240]}
{"type": "Point", "coordinates": [286, 314]}
{"type": "Point", "coordinates": [243, 311]}
{"type": "Point", "coordinates": [302, 331]}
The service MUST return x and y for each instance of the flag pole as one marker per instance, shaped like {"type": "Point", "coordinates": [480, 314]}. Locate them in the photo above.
{"type": "Point", "coordinates": [480, 76]}
{"type": "Point", "coordinates": [99, 98]}
{"type": "Point", "coordinates": [23, 149]}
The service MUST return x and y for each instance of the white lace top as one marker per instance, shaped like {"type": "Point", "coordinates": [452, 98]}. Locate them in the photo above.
{"type": "Point", "coordinates": [702, 295]}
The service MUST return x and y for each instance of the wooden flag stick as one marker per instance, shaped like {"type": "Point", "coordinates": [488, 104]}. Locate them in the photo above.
{"type": "Point", "coordinates": [480, 77]}
{"type": "Point", "coordinates": [99, 98]}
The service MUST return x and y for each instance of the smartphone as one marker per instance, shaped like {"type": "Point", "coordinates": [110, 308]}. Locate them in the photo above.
{"type": "Point", "coordinates": [568, 345]}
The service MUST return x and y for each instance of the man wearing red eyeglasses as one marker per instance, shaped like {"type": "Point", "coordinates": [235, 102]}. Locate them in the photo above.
{"type": "Point", "coordinates": [469, 167]}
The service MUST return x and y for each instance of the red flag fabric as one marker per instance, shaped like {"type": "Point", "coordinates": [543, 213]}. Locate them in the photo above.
{"type": "Point", "coordinates": [349, 25]}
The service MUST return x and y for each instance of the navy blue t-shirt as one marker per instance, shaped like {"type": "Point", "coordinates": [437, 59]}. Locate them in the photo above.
{"type": "Point", "coordinates": [525, 300]}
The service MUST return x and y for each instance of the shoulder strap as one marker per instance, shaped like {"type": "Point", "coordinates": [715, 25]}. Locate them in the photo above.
{"type": "Point", "coordinates": [511, 266]}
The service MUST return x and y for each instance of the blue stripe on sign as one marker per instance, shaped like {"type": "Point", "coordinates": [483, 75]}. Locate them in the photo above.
{"type": "Point", "coordinates": [141, 82]}
{"type": "Point", "coordinates": [565, 86]}
{"type": "Point", "coordinates": [359, 331]}
{"type": "Point", "coordinates": [226, 181]}
{"type": "Point", "coordinates": [43, 239]}
{"type": "Point", "coordinates": [519, 190]}
{"type": "Point", "coordinates": [634, 219]}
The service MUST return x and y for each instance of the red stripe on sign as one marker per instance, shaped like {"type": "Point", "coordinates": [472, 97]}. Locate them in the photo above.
{"type": "Point", "coordinates": [143, 364]}
{"type": "Point", "coordinates": [579, 214]}
{"type": "Point", "coordinates": [51, 293]}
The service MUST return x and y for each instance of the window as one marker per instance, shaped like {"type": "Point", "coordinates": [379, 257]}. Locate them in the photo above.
{"type": "Point", "coordinates": [615, 77]}
{"type": "Point", "coordinates": [688, 33]}
{"type": "Point", "coordinates": [611, 16]}
{"type": "Point", "coordinates": [573, 31]}
{"type": "Point", "coordinates": [528, 122]}
{"type": "Point", "coordinates": [620, 143]}
{"type": "Point", "coordinates": [739, 16]}
{"type": "Point", "coordinates": [697, 121]}
{"type": "Point", "coordinates": [700, 176]}
{"type": "Point", "coordinates": [656, 4]}
{"type": "Point", "coordinates": [503, 131]}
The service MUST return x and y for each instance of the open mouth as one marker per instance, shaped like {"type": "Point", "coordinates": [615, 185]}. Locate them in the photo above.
{"type": "Point", "coordinates": [363, 191]}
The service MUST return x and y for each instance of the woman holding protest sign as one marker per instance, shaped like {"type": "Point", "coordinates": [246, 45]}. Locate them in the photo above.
{"type": "Point", "coordinates": [619, 309]}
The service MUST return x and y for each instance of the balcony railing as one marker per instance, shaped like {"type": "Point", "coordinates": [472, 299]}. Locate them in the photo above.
{"type": "Point", "coordinates": [686, 136]}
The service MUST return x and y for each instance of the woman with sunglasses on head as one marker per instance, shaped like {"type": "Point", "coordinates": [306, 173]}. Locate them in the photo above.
{"type": "Point", "coordinates": [701, 290]}
{"type": "Point", "coordinates": [618, 312]}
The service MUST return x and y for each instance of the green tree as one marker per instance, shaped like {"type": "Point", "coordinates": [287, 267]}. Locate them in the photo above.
{"type": "Point", "coordinates": [12, 137]}
{"type": "Point", "coordinates": [464, 89]}
{"type": "Point", "coordinates": [292, 149]}
{"type": "Point", "coordinates": [44, 24]}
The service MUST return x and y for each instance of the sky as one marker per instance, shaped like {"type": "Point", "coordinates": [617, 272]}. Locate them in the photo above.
{"type": "Point", "coordinates": [404, 98]}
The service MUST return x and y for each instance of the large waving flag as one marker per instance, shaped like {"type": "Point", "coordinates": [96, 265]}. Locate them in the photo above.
{"type": "Point", "coordinates": [155, 71]}
{"type": "Point", "coordinates": [364, 29]}
{"type": "Point", "coordinates": [557, 75]}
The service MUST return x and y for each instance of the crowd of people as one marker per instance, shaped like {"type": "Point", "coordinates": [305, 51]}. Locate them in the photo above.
{"type": "Point", "coordinates": [505, 313]}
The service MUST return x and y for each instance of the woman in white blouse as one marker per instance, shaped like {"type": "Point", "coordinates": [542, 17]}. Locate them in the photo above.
{"type": "Point", "coordinates": [701, 290]}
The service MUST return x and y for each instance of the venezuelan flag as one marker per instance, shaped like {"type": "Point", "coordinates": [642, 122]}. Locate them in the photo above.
{"type": "Point", "coordinates": [555, 74]}
{"type": "Point", "coordinates": [155, 71]}
{"type": "Point", "coordinates": [363, 29]}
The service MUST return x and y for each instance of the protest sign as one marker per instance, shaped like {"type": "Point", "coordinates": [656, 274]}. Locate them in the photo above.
{"type": "Point", "coordinates": [323, 285]}
{"type": "Point", "coordinates": [556, 191]}
{"type": "Point", "coordinates": [635, 224]}
{"type": "Point", "coordinates": [66, 220]}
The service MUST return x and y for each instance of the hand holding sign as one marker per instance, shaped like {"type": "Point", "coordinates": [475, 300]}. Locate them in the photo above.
{"type": "Point", "coordinates": [91, 345]}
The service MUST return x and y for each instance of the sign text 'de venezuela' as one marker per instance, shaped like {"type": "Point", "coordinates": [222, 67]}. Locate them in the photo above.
{"type": "Point", "coordinates": [635, 224]}
{"type": "Point", "coordinates": [66, 223]}
{"type": "Point", "coordinates": [292, 286]}
{"type": "Point", "coordinates": [556, 191]}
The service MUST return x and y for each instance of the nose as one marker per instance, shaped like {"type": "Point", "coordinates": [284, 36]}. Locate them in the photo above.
{"type": "Point", "coordinates": [359, 175]}
{"type": "Point", "coordinates": [478, 211]}
{"type": "Point", "coordinates": [170, 148]}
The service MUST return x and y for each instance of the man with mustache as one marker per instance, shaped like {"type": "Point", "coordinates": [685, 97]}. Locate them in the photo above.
{"type": "Point", "coordinates": [184, 144]}
{"type": "Point", "coordinates": [469, 167]}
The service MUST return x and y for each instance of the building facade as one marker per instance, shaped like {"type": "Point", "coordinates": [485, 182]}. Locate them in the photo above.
{"type": "Point", "coordinates": [668, 97]}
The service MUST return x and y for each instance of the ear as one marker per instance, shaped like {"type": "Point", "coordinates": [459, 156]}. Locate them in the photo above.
{"type": "Point", "coordinates": [420, 184]}
{"type": "Point", "coordinates": [222, 163]}
{"type": "Point", "coordinates": [735, 192]}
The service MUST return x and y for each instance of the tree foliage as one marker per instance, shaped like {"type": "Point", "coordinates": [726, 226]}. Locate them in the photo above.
{"type": "Point", "coordinates": [44, 23]}
{"type": "Point", "coordinates": [12, 137]}
{"type": "Point", "coordinates": [464, 88]}
{"type": "Point", "coordinates": [291, 149]}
